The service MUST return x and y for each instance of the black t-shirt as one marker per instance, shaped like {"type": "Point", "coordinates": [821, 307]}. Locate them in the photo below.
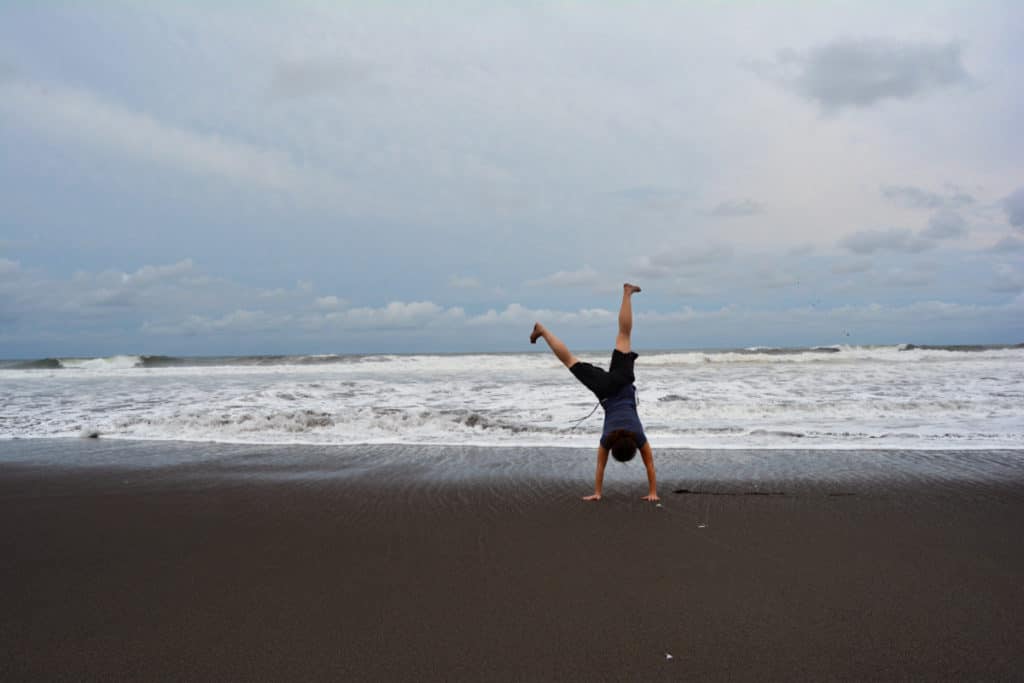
{"type": "Point", "coordinates": [620, 413]}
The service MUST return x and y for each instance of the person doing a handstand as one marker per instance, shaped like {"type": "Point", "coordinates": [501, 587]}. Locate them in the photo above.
{"type": "Point", "coordinates": [622, 434]}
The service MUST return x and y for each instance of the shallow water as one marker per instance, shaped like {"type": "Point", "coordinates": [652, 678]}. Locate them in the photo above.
{"type": "Point", "coordinates": [731, 471]}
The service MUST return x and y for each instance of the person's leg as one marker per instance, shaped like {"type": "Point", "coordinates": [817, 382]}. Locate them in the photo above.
{"type": "Point", "coordinates": [625, 318]}
{"type": "Point", "coordinates": [557, 345]}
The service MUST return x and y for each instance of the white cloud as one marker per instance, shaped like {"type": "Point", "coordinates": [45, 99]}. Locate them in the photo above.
{"type": "Point", "coordinates": [396, 315]}
{"type": "Point", "coordinates": [239, 321]}
{"type": "Point", "coordinates": [150, 274]}
{"type": "Point", "coordinates": [90, 293]}
{"type": "Point", "coordinates": [512, 314]}
{"type": "Point", "coordinates": [516, 314]}
{"type": "Point", "coordinates": [163, 307]}
{"type": "Point", "coordinates": [674, 261]}
{"type": "Point", "coordinates": [584, 277]}
{"type": "Point", "coordinates": [463, 282]}
{"type": "Point", "coordinates": [330, 302]}
{"type": "Point", "coordinates": [424, 316]}
{"type": "Point", "coordinates": [110, 296]}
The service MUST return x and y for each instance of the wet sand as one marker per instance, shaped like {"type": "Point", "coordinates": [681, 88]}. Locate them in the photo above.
{"type": "Point", "coordinates": [122, 561]}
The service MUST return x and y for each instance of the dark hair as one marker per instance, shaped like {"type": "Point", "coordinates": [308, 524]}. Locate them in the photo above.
{"type": "Point", "coordinates": [623, 444]}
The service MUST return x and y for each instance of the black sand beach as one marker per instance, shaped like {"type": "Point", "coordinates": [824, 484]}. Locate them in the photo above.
{"type": "Point", "coordinates": [152, 561]}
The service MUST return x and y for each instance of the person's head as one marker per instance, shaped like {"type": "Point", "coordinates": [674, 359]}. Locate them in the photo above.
{"type": "Point", "coordinates": [622, 444]}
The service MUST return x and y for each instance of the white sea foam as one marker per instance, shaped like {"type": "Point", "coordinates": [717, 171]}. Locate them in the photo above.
{"type": "Point", "coordinates": [854, 397]}
{"type": "Point", "coordinates": [101, 364]}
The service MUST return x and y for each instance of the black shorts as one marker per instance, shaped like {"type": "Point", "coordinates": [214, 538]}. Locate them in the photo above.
{"type": "Point", "coordinates": [605, 383]}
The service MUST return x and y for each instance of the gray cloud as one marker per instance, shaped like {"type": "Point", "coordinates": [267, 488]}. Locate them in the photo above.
{"type": "Point", "coordinates": [959, 197]}
{"type": "Point", "coordinates": [775, 279]}
{"type": "Point", "coordinates": [894, 239]}
{"type": "Point", "coordinates": [7, 72]}
{"type": "Point", "coordinates": [945, 224]}
{"type": "Point", "coordinates": [737, 207]}
{"type": "Point", "coordinates": [861, 73]}
{"type": "Point", "coordinates": [307, 78]}
{"type": "Point", "coordinates": [912, 197]}
{"type": "Point", "coordinates": [849, 267]}
{"type": "Point", "coordinates": [644, 268]}
{"type": "Point", "coordinates": [902, 277]}
{"type": "Point", "coordinates": [325, 117]}
{"type": "Point", "coordinates": [102, 298]}
{"type": "Point", "coordinates": [1007, 244]}
{"type": "Point", "coordinates": [66, 112]}
{"type": "Point", "coordinates": [1007, 278]}
{"type": "Point", "coordinates": [1014, 205]}
{"type": "Point", "coordinates": [648, 198]}
{"type": "Point", "coordinates": [918, 198]}
{"type": "Point", "coordinates": [688, 256]}
{"type": "Point", "coordinates": [904, 319]}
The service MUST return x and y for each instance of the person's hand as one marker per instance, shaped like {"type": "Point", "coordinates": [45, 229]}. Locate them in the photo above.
{"type": "Point", "coordinates": [651, 497]}
{"type": "Point", "coordinates": [596, 496]}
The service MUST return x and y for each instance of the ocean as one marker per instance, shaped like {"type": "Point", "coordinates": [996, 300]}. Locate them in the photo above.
{"type": "Point", "coordinates": [837, 397]}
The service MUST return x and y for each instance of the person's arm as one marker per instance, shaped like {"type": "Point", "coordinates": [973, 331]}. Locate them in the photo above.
{"type": "Point", "coordinates": [602, 460]}
{"type": "Point", "coordinates": [652, 485]}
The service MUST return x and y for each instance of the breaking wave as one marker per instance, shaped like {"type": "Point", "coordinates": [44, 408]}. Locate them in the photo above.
{"type": "Point", "coordinates": [753, 354]}
{"type": "Point", "coordinates": [844, 397]}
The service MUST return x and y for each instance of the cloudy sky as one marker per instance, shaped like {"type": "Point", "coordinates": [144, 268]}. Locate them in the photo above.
{"type": "Point", "coordinates": [235, 177]}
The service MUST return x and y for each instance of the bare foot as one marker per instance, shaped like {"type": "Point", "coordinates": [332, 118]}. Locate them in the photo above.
{"type": "Point", "coordinates": [538, 330]}
{"type": "Point", "coordinates": [630, 288]}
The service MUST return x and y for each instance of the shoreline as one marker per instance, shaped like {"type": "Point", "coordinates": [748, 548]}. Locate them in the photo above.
{"type": "Point", "coordinates": [207, 562]}
{"type": "Point", "coordinates": [554, 445]}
